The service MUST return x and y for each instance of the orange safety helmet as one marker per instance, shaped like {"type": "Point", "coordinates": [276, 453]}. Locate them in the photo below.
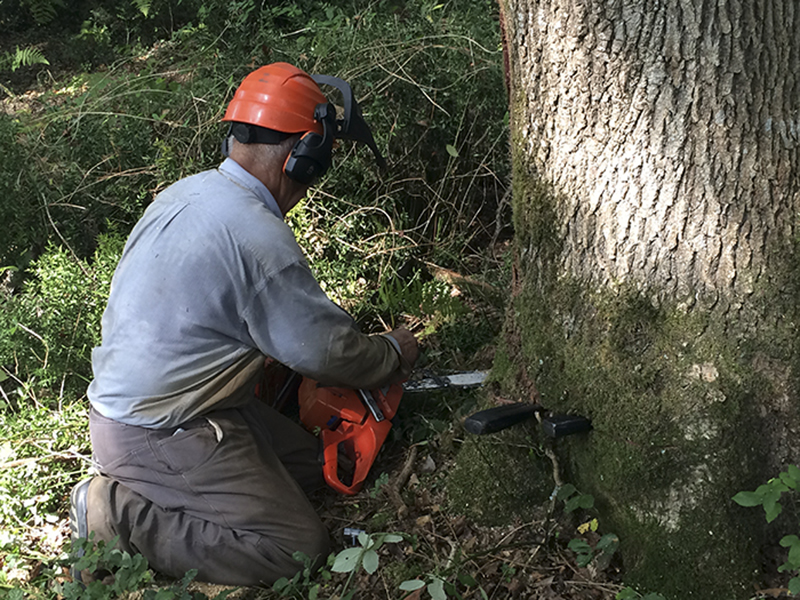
{"type": "Point", "coordinates": [280, 97]}
{"type": "Point", "coordinates": [278, 100]}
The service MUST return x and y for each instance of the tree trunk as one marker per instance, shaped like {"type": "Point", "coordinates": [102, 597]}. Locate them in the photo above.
{"type": "Point", "coordinates": [656, 148]}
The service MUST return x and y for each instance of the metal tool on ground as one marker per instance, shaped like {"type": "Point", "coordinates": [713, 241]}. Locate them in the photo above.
{"type": "Point", "coordinates": [498, 418]}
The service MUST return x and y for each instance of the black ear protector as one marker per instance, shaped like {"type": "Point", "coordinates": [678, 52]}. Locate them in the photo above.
{"type": "Point", "coordinates": [311, 156]}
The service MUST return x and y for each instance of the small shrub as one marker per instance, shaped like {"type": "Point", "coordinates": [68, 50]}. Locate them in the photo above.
{"type": "Point", "coordinates": [48, 330]}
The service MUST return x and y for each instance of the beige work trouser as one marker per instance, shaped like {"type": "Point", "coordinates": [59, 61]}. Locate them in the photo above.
{"type": "Point", "coordinates": [224, 493]}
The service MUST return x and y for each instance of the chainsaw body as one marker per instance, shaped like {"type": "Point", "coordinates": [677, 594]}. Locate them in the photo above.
{"type": "Point", "coordinates": [359, 420]}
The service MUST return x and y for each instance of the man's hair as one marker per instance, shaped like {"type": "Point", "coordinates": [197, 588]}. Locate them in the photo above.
{"type": "Point", "coordinates": [266, 152]}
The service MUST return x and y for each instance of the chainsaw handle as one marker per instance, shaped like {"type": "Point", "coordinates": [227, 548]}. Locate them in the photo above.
{"type": "Point", "coordinates": [496, 419]}
{"type": "Point", "coordinates": [361, 442]}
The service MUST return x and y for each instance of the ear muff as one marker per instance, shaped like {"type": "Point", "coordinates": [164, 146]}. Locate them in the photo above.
{"type": "Point", "coordinates": [311, 156]}
{"type": "Point", "coordinates": [309, 159]}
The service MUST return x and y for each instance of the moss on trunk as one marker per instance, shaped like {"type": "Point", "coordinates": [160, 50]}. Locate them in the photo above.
{"type": "Point", "coordinates": [676, 393]}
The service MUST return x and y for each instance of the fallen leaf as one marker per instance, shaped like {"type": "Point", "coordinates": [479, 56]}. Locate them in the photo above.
{"type": "Point", "coordinates": [423, 520]}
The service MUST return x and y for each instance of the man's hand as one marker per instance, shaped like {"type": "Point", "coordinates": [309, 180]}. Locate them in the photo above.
{"type": "Point", "coordinates": [408, 344]}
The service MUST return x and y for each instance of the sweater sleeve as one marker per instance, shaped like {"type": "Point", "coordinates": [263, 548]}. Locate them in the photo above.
{"type": "Point", "coordinates": [291, 319]}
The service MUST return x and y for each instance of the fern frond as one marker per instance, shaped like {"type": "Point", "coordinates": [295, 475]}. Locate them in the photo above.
{"type": "Point", "coordinates": [43, 11]}
{"type": "Point", "coordinates": [143, 6]}
{"type": "Point", "coordinates": [27, 57]}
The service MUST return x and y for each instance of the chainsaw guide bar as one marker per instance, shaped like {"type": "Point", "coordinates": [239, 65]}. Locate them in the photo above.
{"type": "Point", "coordinates": [469, 379]}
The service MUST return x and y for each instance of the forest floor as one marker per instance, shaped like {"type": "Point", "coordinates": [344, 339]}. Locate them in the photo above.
{"type": "Point", "coordinates": [523, 559]}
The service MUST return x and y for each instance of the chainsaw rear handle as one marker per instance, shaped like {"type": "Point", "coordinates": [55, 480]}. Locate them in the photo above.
{"type": "Point", "coordinates": [361, 442]}
{"type": "Point", "coordinates": [358, 421]}
{"type": "Point", "coordinates": [496, 419]}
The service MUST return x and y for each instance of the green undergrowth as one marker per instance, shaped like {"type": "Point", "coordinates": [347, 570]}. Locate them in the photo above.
{"type": "Point", "coordinates": [130, 100]}
{"type": "Point", "coordinates": [49, 327]}
{"type": "Point", "coordinates": [44, 451]}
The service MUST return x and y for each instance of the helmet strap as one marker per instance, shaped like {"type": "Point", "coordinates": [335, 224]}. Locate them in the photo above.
{"type": "Point", "coordinates": [244, 133]}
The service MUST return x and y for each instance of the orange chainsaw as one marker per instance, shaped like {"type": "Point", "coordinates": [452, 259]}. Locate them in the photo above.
{"type": "Point", "coordinates": [358, 421]}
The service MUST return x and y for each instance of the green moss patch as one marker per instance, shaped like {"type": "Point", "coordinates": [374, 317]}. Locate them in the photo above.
{"type": "Point", "coordinates": [498, 477]}
{"type": "Point", "coordinates": [673, 390]}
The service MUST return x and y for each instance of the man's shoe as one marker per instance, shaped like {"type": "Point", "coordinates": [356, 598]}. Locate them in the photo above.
{"type": "Point", "coordinates": [78, 520]}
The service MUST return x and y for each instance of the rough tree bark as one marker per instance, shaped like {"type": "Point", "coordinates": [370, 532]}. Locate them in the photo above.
{"type": "Point", "coordinates": [656, 148]}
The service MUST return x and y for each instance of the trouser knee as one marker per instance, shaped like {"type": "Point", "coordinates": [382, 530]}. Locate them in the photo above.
{"type": "Point", "coordinates": [316, 546]}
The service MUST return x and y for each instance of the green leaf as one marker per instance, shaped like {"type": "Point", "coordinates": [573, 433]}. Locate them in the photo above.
{"type": "Point", "coordinates": [794, 585]}
{"type": "Point", "coordinates": [586, 501]}
{"type": "Point", "coordinates": [778, 487]}
{"type": "Point", "coordinates": [793, 543]}
{"type": "Point", "coordinates": [579, 545]}
{"type": "Point", "coordinates": [27, 57]}
{"type": "Point", "coordinates": [467, 579]}
{"type": "Point", "coordinates": [450, 590]}
{"type": "Point", "coordinates": [313, 593]}
{"type": "Point", "coordinates": [789, 481]}
{"type": "Point", "coordinates": [364, 539]}
{"type": "Point", "coordinates": [436, 589]}
{"type": "Point", "coordinates": [392, 538]}
{"type": "Point", "coordinates": [748, 499]}
{"type": "Point", "coordinates": [451, 150]}
{"type": "Point", "coordinates": [627, 593]}
{"type": "Point", "coordinates": [566, 491]}
{"type": "Point", "coordinates": [789, 540]}
{"type": "Point", "coordinates": [794, 472]}
{"type": "Point", "coordinates": [572, 504]}
{"type": "Point", "coordinates": [370, 561]}
{"type": "Point", "coordinates": [412, 584]}
{"type": "Point", "coordinates": [347, 560]}
{"type": "Point", "coordinates": [143, 6]}
{"type": "Point", "coordinates": [608, 543]}
{"type": "Point", "coordinates": [772, 511]}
